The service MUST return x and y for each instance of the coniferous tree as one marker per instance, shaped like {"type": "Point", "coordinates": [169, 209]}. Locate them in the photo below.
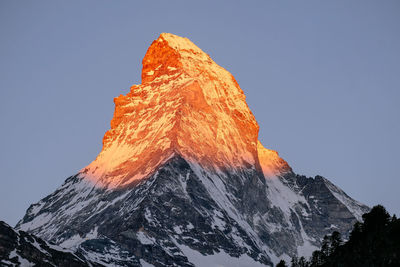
{"type": "Point", "coordinates": [317, 259]}
{"type": "Point", "coordinates": [282, 263]}
{"type": "Point", "coordinates": [326, 246]}
{"type": "Point", "coordinates": [335, 240]}
{"type": "Point", "coordinates": [295, 262]}
{"type": "Point", "coordinates": [374, 242]}
{"type": "Point", "coordinates": [302, 262]}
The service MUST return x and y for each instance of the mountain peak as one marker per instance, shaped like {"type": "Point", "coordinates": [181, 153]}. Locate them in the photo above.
{"type": "Point", "coordinates": [178, 43]}
{"type": "Point", "coordinates": [170, 54]}
{"type": "Point", "coordinates": [187, 105]}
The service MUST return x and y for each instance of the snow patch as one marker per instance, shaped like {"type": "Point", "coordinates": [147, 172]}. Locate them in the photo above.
{"type": "Point", "coordinates": [144, 238]}
{"type": "Point", "coordinates": [145, 264]}
{"type": "Point", "coordinates": [23, 262]}
{"type": "Point", "coordinates": [220, 259]}
{"type": "Point", "coordinates": [74, 241]}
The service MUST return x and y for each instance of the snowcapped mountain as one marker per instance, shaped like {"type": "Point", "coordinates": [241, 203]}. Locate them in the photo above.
{"type": "Point", "coordinates": [182, 179]}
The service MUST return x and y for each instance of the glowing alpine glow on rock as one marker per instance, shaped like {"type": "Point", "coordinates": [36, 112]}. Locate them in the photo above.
{"type": "Point", "coordinates": [271, 164]}
{"type": "Point", "coordinates": [186, 105]}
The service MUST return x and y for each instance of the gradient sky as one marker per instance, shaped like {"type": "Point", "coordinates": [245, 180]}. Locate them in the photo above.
{"type": "Point", "coordinates": [321, 77]}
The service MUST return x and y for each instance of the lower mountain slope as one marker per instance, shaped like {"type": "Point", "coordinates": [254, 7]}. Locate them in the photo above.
{"type": "Point", "coordinates": [18, 248]}
{"type": "Point", "coordinates": [184, 215]}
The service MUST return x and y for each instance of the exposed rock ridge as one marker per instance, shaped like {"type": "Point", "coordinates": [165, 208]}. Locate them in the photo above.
{"type": "Point", "coordinates": [18, 248]}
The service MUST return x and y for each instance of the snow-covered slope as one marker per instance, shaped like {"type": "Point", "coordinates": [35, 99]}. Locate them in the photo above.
{"type": "Point", "coordinates": [183, 208]}
{"type": "Point", "coordinates": [182, 179]}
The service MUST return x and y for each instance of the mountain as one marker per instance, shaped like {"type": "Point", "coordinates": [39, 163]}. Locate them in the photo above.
{"type": "Point", "coordinates": [182, 179]}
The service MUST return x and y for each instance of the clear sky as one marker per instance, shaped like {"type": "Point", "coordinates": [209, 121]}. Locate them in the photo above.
{"type": "Point", "coordinates": [321, 77]}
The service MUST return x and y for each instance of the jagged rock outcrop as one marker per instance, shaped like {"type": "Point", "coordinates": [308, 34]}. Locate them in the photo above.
{"type": "Point", "coordinates": [18, 248]}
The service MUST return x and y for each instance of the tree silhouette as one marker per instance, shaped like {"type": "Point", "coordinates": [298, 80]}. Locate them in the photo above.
{"type": "Point", "coordinates": [374, 242]}
{"type": "Point", "coordinates": [282, 263]}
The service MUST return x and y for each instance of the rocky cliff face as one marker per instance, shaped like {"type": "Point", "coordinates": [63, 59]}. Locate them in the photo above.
{"type": "Point", "coordinates": [186, 105]}
{"type": "Point", "coordinates": [18, 248]}
{"type": "Point", "coordinates": [182, 179]}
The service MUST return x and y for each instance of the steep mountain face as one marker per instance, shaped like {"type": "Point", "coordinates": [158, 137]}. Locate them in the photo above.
{"type": "Point", "coordinates": [182, 179]}
{"type": "Point", "coordinates": [186, 105]}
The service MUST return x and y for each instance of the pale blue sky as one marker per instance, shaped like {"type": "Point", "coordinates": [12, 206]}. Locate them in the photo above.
{"type": "Point", "coordinates": [321, 77]}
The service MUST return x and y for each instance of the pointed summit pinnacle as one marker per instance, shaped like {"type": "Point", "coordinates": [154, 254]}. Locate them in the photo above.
{"type": "Point", "coordinates": [178, 43]}
{"type": "Point", "coordinates": [169, 53]}
{"type": "Point", "coordinates": [186, 105]}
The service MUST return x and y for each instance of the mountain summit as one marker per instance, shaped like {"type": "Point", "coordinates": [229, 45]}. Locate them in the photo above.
{"type": "Point", "coordinates": [186, 105]}
{"type": "Point", "coordinates": [182, 179]}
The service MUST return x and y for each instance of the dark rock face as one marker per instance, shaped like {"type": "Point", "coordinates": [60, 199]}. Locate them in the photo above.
{"type": "Point", "coordinates": [18, 248]}
{"type": "Point", "coordinates": [182, 212]}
